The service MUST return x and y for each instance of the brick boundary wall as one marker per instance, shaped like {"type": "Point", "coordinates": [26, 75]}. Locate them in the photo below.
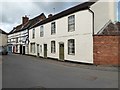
{"type": "Point", "coordinates": [106, 50]}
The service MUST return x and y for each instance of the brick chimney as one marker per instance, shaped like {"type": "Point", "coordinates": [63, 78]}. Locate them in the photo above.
{"type": "Point", "coordinates": [50, 15]}
{"type": "Point", "coordinates": [25, 19]}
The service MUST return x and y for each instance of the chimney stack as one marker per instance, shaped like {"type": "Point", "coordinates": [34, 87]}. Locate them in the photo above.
{"type": "Point", "coordinates": [50, 15]}
{"type": "Point", "coordinates": [25, 19]}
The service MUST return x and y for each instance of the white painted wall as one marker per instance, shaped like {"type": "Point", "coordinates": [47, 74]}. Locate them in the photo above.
{"type": "Point", "coordinates": [82, 35]}
{"type": "Point", "coordinates": [104, 11]}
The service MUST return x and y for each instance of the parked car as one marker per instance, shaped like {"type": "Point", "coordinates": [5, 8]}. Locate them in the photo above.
{"type": "Point", "coordinates": [3, 50]}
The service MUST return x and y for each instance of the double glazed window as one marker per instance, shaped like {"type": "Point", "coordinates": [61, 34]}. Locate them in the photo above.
{"type": "Point", "coordinates": [71, 23]}
{"type": "Point", "coordinates": [41, 31]}
{"type": "Point", "coordinates": [53, 28]}
{"type": "Point", "coordinates": [71, 46]}
{"type": "Point", "coordinates": [33, 33]}
{"type": "Point", "coordinates": [52, 46]}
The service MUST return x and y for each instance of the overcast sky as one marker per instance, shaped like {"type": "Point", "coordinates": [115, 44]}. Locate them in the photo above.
{"type": "Point", "coordinates": [11, 12]}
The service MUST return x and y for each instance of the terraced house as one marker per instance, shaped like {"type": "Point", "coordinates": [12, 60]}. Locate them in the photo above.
{"type": "Point", "coordinates": [69, 35]}
{"type": "Point", "coordinates": [18, 38]}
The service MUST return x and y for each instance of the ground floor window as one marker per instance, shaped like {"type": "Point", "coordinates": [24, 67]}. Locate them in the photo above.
{"type": "Point", "coordinates": [40, 48]}
{"type": "Point", "coordinates": [32, 48]}
{"type": "Point", "coordinates": [52, 46]}
{"type": "Point", "coordinates": [71, 46]}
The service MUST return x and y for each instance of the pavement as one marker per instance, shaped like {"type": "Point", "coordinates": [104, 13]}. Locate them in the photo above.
{"type": "Point", "coordinates": [21, 71]}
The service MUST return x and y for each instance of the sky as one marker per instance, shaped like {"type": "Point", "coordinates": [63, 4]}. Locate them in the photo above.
{"type": "Point", "coordinates": [12, 11]}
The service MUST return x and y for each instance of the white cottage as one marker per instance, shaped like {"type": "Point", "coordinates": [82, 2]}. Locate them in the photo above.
{"type": "Point", "coordinates": [68, 35]}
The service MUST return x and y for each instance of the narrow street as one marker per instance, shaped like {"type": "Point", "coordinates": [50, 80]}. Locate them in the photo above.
{"type": "Point", "coordinates": [32, 72]}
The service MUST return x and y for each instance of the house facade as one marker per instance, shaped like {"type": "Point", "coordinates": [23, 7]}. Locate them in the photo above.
{"type": "Point", "coordinates": [3, 38]}
{"type": "Point", "coordinates": [68, 35]}
{"type": "Point", "coordinates": [18, 38]}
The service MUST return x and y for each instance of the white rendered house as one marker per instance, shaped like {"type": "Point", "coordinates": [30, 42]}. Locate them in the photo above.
{"type": "Point", "coordinates": [68, 35]}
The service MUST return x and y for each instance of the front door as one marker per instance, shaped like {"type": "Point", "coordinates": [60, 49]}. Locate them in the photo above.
{"type": "Point", "coordinates": [61, 52]}
{"type": "Point", "coordinates": [23, 50]}
{"type": "Point", "coordinates": [37, 49]}
{"type": "Point", "coordinates": [20, 49]}
{"type": "Point", "coordinates": [45, 50]}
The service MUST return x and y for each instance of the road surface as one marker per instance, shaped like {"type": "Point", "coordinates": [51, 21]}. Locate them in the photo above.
{"type": "Point", "coordinates": [32, 72]}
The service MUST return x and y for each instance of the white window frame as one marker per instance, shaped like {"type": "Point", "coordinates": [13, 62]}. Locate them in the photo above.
{"type": "Point", "coordinates": [71, 23]}
{"type": "Point", "coordinates": [53, 28]}
{"type": "Point", "coordinates": [71, 46]}
{"type": "Point", "coordinates": [53, 47]}
{"type": "Point", "coordinates": [41, 31]}
{"type": "Point", "coordinates": [33, 33]}
{"type": "Point", "coordinates": [32, 47]}
{"type": "Point", "coordinates": [40, 48]}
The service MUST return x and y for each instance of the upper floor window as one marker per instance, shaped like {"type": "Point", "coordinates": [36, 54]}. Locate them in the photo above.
{"type": "Point", "coordinates": [41, 31]}
{"type": "Point", "coordinates": [33, 33]}
{"type": "Point", "coordinates": [52, 46]}
{"type": "Point", "coordinates": [53, 28]}
{"type": "Point", "coordinates": [71, 46]}
{"type": "Point", "coordinates": [71, 23]}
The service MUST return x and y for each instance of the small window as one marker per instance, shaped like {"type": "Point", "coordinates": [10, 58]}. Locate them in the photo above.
{"type": "Point", "coordinates": [71, 47]}
{"type": "Point", "coordinates": [52, 46]}
{"type": "Point", "coordinates": [41, 31]}
{"type": "Point", "coordinates": [53, 28]}
{"type": "Point", "coordinates": [33, 33]}
{"type": "Point", "coordinates": [71, 23]}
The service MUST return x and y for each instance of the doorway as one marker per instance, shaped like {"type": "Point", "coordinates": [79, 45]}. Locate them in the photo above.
{"type": "Point", "coordinates": [20, 49]}
{"type": "Point", "coordinates": [45, 50]}
{"type": "Point", "coordinates": [61, 51]}
{"type": "Point", "coordinates": [37, 49]}
{"type": "Point", "coordinates": [23, 50]}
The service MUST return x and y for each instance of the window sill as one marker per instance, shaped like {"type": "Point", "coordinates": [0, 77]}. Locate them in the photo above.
{"type": "Point", "coordinates": [72, 54]}
{"type": "Point", "coordinates": [53, 53]}
{"type": "Point", "coordinates": [71, 31]}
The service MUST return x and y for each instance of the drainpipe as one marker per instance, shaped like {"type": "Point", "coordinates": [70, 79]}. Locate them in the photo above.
{"type": "Point", "coordinates": [92, 18]}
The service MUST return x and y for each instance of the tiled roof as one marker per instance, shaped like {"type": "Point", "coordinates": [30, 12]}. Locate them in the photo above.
{"type": "Point", "coordinates": [82, 6]}
{"type": "Point", "coordinates": [31, 22]}
{"type": "Point", "coordinates": [111, 29]}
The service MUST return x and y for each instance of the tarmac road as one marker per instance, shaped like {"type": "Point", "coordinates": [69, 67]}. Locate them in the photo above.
{"type": "Point", "coordinates": [31, 72]}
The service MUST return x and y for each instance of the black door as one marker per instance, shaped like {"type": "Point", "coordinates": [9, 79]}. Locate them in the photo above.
{"type": "Point", "coordinates": [45, 50]}
{"type": "Point", "coordinates": [23, 50]}
{"type": "Point", "coordinates": [20, 49]}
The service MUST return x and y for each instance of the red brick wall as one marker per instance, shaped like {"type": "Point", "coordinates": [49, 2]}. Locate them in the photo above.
{"type": "Point", "coordinates": [106, 50]}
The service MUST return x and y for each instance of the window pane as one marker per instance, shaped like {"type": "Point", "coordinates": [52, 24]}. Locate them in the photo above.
{"type": "Point", "coordinates": [52, 46]}
{"type": "Point", "coordinates": [71, 46]}
{"type": "Point", "coordinates": [53, 28]}
{"type": "Point", "coordinates": [41, 31]}
{"type": "Point", "coordinates": [71, 23]}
